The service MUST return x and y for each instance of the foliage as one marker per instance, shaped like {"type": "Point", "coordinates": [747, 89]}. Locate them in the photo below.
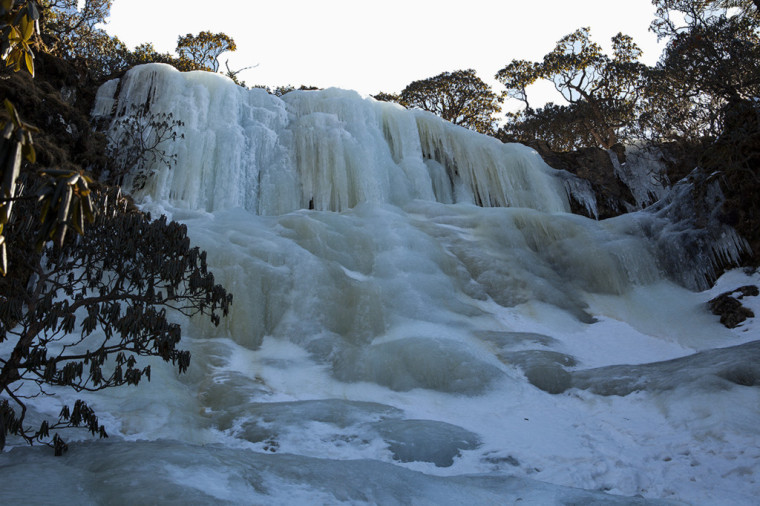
{"type": "Point", "coordinates": [64, 196]}
{"type": "Point", "coordinates": [460, 97]}
{"type": "Point", "coordinates": [15, 143]}
{"type": "Point", "coordinates": [604, 90]}
{"type": "Point", "coordinates": [712, 59]}
{"type": "Point", "coordinates": [84, 311]}
{"type": "Point", "coordinates": [19, 19]}
{"type": "Point", "coordinates": [279, 91]}
{"type": "Point", "coordinates": [136, 143]}
{"type": "Point", "coordinates": [562, 127]}
{"type": "Point", "coordinates": [66, 202]}
{"type": "Point", "coordinates": [74, 33]}
{"type": "Point", "coordinates": [387, 97]}
{"type": "Point", "coordinates": [146, 53]}
{"type": "Point", "coordinates": [67, 193]}
{"type": "Point", "coordinates": [516, 77]}
{"type": "Point", "coordinates": [86, 315]}
{"type": "Point", "coordinates": [203, 50]}
{"type": "Point", "coordinates": [746, 8]}
{"type": "Point", "coordinates": [680, 16]}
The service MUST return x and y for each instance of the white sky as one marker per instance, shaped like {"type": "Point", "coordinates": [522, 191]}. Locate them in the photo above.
{"type": "Point", "coordinates": [380, 46]}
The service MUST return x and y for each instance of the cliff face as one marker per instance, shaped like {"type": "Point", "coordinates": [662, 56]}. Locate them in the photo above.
{"type": "Point", "coordinates": [623, 180]}
{"type": "Point", "coordinates": [735, 159]}
{"type": "Point", "coordinates": [595, 165]}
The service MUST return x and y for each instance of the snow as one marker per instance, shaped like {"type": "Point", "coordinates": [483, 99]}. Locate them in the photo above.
{"type": "Point", "coordinates": [398, 344]}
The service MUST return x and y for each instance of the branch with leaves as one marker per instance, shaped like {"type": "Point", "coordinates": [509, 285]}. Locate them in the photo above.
{"type": "Point", "coordinates": [86, 317]}
{"type": "Point", "coordinates": [19, 21]}
{"type": "Point", "coordinates": [137, 143]}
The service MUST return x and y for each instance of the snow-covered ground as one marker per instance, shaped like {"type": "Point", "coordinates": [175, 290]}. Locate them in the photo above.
{"type": "Point", "coordinates": [440, 408]}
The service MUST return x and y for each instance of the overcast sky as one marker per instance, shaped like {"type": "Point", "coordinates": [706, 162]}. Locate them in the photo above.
{"type": "Point", "coordinates": [383, 45]}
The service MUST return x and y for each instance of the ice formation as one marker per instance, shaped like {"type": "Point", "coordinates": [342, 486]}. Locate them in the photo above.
{"type": "Point", "coordinates": [325, 151]}
{"type": "Point", "coordinates": [417, 319]}
{"type": "Point", "coordinates": [643, 172]}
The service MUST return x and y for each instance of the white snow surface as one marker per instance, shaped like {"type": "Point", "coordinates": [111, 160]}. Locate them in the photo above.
{"type": "Point", "coordinates": [390, 342]}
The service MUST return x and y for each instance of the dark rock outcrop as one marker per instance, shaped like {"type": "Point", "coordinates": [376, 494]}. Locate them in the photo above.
{"type": "Point", "coordinates": [735, 159]}
{"type": "Point", "coordinates": [729, 307]}
{"type": "Point", "coordinates": [598, 166]}
{"type": "Point", "coordinates": [595, 166]}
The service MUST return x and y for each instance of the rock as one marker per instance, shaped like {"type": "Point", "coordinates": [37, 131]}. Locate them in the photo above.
{"type": "Point", "coordinates": [728, 306]}
{"type": "Point", "coordinates": [709, 370]}
{"type": "Point", "coordinates": [735, 156]}
{"type": "Point", "coordinates": [594, 165]}
{"type": "Point", "coordinates": [597, 166]}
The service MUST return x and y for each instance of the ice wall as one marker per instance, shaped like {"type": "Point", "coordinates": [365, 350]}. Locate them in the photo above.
{"type": "Point", "coordinates": [327, 150]}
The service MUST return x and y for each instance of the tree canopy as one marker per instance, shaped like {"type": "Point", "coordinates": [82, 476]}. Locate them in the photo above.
{"type": "Point", "coordinates": [601, 91]}
{"type": "Point", "coordinates": [71, 30]}
{"type": "Point", "coordinates": [711, 60]}
{"type": "Point", "coordinates": [203, 49]}
{"type": "Point", "coordinates": [460, 97]}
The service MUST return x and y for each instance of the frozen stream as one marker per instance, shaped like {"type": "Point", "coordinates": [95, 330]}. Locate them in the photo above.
{"type": "Point", "coordinates": [417, 320]}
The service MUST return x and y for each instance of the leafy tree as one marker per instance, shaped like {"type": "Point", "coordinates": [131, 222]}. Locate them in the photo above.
{"type": "Point", "coordinates": [82, 311]}
{"type": "Point", "coordinates": [90, 310]}
{"type": "Point", "coordinates": [749, 8]}
{"type": "Point", "coordinates": [147, 53]}
{"type": "Point", "coordinates": [279, 91]}
{"type": "Point", "coordinates": [460, 97]}
{"type": "Point", "coordinates": [72, 31]}
{"type": "Point", "coordinates": [562, 127]}
{"type": "Point", "coordinates": [203, 50]}
{"type": "Point", "coordinates": [606, 90]}
{"type": "Point", "coordinates": [712, 59]}
{"type": "Point", "coordinates": [517, 76]}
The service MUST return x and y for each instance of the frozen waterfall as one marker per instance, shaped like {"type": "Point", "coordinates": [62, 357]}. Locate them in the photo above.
{"type": "Point", "coordinates": [417, 319]}
{"type": "Point", "coordinates": [326, 151]}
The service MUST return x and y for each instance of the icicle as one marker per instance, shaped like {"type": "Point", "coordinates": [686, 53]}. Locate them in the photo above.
{"type": "Point", "coordinates": [643, 172]}
{"type": "Point", "coordinates": [328, 150]}
{"type": "Point", "coordinates": [580, 190]}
